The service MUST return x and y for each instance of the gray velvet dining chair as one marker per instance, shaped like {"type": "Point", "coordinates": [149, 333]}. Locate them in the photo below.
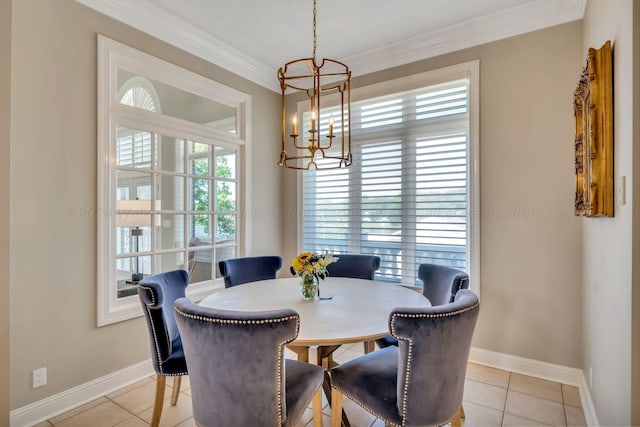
{"type": "Point", "coordinates": [355, 266]}
{"type": "Point", "coordinates": [237, 369]}
{"type": "Point", "coordinates": [421, 381]}
{"type": "Point", "coordinates": [157, 294]}
{"type": "Point", "coordinates": [237, 271]}
{"type": "Point", "coordinates": [440, 284]}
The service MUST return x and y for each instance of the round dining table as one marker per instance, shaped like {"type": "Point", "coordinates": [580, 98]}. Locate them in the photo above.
{"type": "Point", "coordinates": [348, 311]}
{"type": "Point", "coordinates": [357, 309]}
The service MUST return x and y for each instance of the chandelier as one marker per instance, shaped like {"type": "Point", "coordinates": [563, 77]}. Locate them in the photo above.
{"type": "Point", "coordinates": [327, 144]}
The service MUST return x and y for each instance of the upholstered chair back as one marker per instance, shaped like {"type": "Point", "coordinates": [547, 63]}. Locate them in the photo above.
{"type": "Point", "coordinates": [354, 266]}
{"type": "Point", "coordinates": [249, 269]}
{"type": "Point", "coordinates": [236, 364]}
{"type": "Point", "coordinates": [441, 283]}
{"type": "Point", "coordinates": [157, 294]}
{"type": "Point", "coordinates": [433, 350]}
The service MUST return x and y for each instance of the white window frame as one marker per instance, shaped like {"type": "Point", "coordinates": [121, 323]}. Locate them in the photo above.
{"type": "Point", "coordinates": [111, 56]}
{"type": "Point", "coordinates": [468, 70]}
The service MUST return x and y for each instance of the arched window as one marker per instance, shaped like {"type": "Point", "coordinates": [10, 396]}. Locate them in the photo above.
{"type": "Point", "coordinates": [139, 92]}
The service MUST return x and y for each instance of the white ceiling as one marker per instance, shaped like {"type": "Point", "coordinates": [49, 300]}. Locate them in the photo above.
{"type": "Point", "coordinates": [253, 38]}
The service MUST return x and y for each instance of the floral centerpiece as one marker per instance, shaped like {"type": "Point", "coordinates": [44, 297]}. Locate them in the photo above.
{"type": "Point", "coordinates": [310, 267]}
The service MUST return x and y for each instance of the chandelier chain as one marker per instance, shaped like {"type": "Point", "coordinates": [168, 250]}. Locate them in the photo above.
{"type": "Point", "coordinates": [315, 37]}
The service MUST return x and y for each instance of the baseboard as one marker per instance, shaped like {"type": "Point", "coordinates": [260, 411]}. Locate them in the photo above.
{"type": "Point", "coordinates": [58, 403]}
{"type": "Point", "coordinates": [538, 369]}
{"type": "Point", "coordinates": [51, 406]}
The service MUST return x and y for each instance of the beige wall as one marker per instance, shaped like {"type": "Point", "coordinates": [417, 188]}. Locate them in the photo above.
{"type": "Point", "coordinates": [5, 134]}
{"type": "Point", "coordinates": [53, 180]}
{"type": "Point", "coordinates": [607, 248]}
{"type": "Point", "coordinates": [635, 199]}
{"type": "Point", "coordinates": [530, 240]}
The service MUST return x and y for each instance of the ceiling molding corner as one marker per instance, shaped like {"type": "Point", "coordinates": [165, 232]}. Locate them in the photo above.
{"type": "Point", "coordinates": [529, 17]}
{"type": "Point", "coordinates": [151, 19]}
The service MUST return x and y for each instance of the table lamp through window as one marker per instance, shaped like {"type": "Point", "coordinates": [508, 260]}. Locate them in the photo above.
{"type": "Point", "coordinates": [134, 214]}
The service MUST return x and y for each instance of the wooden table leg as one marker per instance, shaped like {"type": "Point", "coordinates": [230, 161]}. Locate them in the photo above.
{"type": "Point", "coordinates": [327, 363]}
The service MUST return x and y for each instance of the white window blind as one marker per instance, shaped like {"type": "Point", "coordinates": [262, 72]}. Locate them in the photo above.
{"type": "Point", "coordinates": [406, 196]}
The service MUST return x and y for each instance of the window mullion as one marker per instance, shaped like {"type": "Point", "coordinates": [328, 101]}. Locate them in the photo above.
{"type": "Point", "coordinates": [409, 269]}
{"type": "Point", "coordinates": [355, 204]}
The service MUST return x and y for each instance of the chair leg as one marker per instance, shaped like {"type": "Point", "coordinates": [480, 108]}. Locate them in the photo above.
{"type": "Point", "coordinates": [328, 363]}
{"type": "Point", "coordinates": [301, 352]}
{"type": "Point", "coordinates": [336, 408]}
{"type": "Point", "coordinates": [176, 389]}
{"type": "Point", "coordinates": [462, 414]}
{"type": "Point", "coordinates": [455, 421]}
{"type": "Point", "coordinates": [161, 381]}
{"type": "Point", "coordinates": [317, 408]}
{"type": "Point", "coordinates": [369, 346]}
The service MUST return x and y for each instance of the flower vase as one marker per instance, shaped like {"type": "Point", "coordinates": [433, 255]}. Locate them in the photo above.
{"type": "Point", "coordinates": [308, 287]}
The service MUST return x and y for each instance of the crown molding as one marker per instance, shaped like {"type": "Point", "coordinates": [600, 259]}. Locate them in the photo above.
{"type": "Point", "coordinates": [147, 17]}
{"type": "Point", "coordinates": [529, 17]}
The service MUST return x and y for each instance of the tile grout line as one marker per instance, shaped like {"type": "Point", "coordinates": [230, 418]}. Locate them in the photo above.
{"type": "Point", "coordinates": [130, 412]}
{"type": "Point", "coordinates": [564, 407]}
{"type": "Point", "coordinates": [506, 396]}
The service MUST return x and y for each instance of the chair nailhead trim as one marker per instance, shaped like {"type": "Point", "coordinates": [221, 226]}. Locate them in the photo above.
{"type": "Point", "coordinates": [357, 402]}
{"type": "Point", "coordinates": [410, 350]}
{"type": "Point", "coordinates": [153, 328]}
{"type": "Point", "coordinates": [281, 344]}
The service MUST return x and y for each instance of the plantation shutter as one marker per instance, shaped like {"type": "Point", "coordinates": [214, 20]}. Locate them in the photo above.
{"type": "Point", "coordinates": [405, 198]}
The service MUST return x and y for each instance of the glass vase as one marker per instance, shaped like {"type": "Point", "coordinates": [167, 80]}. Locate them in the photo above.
{"type": "Point", "coordinates": [308, 287]}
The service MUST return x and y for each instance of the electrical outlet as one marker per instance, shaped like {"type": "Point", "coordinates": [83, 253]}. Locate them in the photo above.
{"type": "Point", "coordinates": [590, 377]}
{"type": "Point", "coordinates": [39, 377]}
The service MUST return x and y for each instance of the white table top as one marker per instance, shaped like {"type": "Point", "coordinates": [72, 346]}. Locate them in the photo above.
{"type": "Point", "coordinates": [359, 310]}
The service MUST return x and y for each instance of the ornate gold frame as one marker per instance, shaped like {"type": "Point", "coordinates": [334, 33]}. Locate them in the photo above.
{"type": "Point", "coordinates": [593, 109]}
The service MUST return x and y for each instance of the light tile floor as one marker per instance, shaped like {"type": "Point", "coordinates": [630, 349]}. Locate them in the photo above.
{"type": "Point", "coordinates": [492, 397]}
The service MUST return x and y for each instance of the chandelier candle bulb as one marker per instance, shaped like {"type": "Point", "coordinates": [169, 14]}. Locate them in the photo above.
{"type": "Point", "coordinates": [294, 130]}
{"type": "Point", "coordinates": [331, 126]}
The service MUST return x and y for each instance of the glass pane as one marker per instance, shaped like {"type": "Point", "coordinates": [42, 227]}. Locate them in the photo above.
{"type": "Point", "coordinates": [170, 231]}
{"type": "Point", "coordinates": [222, 253]}
{"type": "Point", "coordinates": [199, 155]}
{"type": "Point", "coordinates": [122, 193]}
{"type": "Point", "coordinates": [126, 288]}
{"type": "Point", "coordinates": [200, 193]}
{"type": "Point", "coordinates": [169, 261]}
{"type": "Point", "coordinates": [128, 267]}
{"type": "Point", "coordinates": [133, 148]}
{"type": "Point", "coordinates": [198, 148]}
{"type": "Point", "coordinates": [199, 265]}
{"type": "Point", "coordinates": [131, 238]}
{"type": "Point", "coordinates": [225, 163]}
{"type": "Point", "coordinates": [170, 154]}
{"type": "Point", "coordinates": [200, 166]}
{"type": "Point", "coordinates": [225, 196]}
{"type": "Point", "coordinates": [152, 95]}
{"type": "Point", "coordinates": [124, 268]}
{"type": "Point", "coordinates": [199, 228]}
{"type": "Point", "coordinates": [170, 193]}
{"type": "Point", "coordinates": [133, 184]}
{"type": "Point", "coordinates": [225, 228]}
